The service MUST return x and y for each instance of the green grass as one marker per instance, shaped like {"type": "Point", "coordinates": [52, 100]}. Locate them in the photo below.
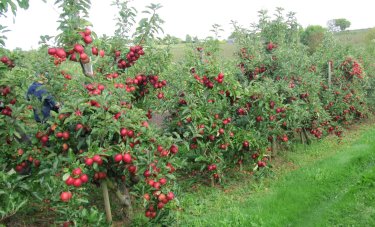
{"type": "Point", "coordinates": [326, 184]}
{"type": "Point", "coordinates": [227, 51]}
{"type": "Point", "coordinates": [355, 38]}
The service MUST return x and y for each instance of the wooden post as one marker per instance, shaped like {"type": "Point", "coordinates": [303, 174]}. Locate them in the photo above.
{"type": "Point", "coordinates": [329, 75]}
{"type": "Point", "coordinates": [274, 145]}
{"type": "Point", "coordinates": [107, 204]}
{"type": "Point", "coordinates": [212, 181]}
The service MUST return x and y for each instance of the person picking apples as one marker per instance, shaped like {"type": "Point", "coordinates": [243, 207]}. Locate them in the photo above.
{"type": "Point", "coordinates": [37, 91]}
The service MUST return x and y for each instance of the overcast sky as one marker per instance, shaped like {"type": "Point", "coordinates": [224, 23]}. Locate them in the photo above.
{"type": "Point", "coordinates": [193, 17]}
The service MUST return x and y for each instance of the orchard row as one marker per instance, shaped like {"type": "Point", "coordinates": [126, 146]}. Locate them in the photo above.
{"type": "Point", "coordinates": [217, 116]}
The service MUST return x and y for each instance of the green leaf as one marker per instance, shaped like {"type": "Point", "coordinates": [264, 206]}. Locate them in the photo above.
{"type": "Point", "coordinates": [66, 176]}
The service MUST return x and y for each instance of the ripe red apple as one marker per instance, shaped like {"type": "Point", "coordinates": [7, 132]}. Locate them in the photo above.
{"type": "Point", "coordinates": [96, 158]}
{"type": "Point", "coordinates": [101, 87]}
{"type": "Point", "coordinates": [51, 51]}
{"type": "Point", "coordinates": [151, 182]}
{"type": "Point", "coordinates": [68, 77]}
{"type": "Point", "coordinates": [118, 158]}
{"type": "Point", "coordinates": [61, 53]}
{"type": "Point", "coordinates": [241, 111]}
{"type": "Point", "coordinates": [261, 164]}
{"type": "Point", "coordinates": [170, 196]}
{"type": "Point", "coordinates": [83, 56]}
{"type": "Point", "coordinates": [221, 131]}
{"type": "Point", "coordinates": [127, 158]}
{"type": "Point", "coordinates": [101, 53]}
{"type": "Point", "coordinates": [123, 132]}
{"type": "Point", "coordinates": [130, 133]}
{"type": "Point", "coordinates": [102, 175]}
{"type": "Point", "coordinates": [13, 101]}
{"type": "Point", "coordinates": [79, 126]}
{"type": "Point", "coordinates": [77, 171]}
{"type": "Point", "coordinates": [156, 185]}
{"type": "Point", "coordinates": [20, 152]}
{"type": "Point", "coordinates": [36, 162]}
{"type": "Point", "coordinates": [94, 51]}
{"type": "Point", "coordinates": [87, 39]}
{"type": "Point", "coordinates": [4, 59]}
{"type": "Point", "coordinates": [89, 161]}
{"type": "Point", "coordinates": [147, 196]}
{"type": "Point", "coordinates": [87, 32]}
{"type": "Point", "coordinates": [77, 182]}
{"type": "Point", "coordinates": [65, 147]}
{"type": "Point", "coordinates": [65, 135]}
{"type": "Point", "coordinates": [132, 169]}
{"type": "Point", "coordinates": [272, 104]}
{"type": "Point", "coordinates": [147, 173]}
{"type": "Point", "coordinates": [160, 205]}
{"type": "Point", "coordinates": [65, 196]}
{"type": "Point", "coordinates": [162, 181]}
{"type": "Point", "coordinates": [162, 197]}
{"type": "Point", "coordinates": [78, 48]}
{"type": "Point", "coordinates": [84, 178]}
{"type": "Point", "coordinates": [145, 124]}
{"type": "Point", "coordinates": [160, 95]}
{"type": "Point", "coordinates": [44, 139]}
{"type": "Point", "coordinates": [173, 149]}
{"type": "Point", "coordinates": [69, 181]}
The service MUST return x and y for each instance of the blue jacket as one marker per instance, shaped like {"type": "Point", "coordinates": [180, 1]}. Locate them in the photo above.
{"type": "Point", "coordinates": [36, 89]}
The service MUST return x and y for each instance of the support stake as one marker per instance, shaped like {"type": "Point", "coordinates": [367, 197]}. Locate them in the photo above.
{"type": "Point", "coordinates": [107, 204]}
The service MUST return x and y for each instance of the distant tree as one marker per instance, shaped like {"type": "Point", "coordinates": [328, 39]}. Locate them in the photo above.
{"type": "Point", "coordinates": [188, 39]}
{"type": "Point", "coordinates": [232, 35]}
{"type": "Point", "coordinates": [217, 29]}
{"type": "Point", "coordinates": [337, 25]}
{"type": "Point", "coordinates": [313, 36]}
{"type": "Point", "coordinates": [343, 23]}
{"type": "Point", "coordinates": [169, 39]}
{"type": "Point", "coordinates": [331, 25]}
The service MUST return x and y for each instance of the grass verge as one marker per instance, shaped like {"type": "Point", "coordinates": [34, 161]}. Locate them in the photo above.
{"type": "Point", "coordinates": [329, 183]}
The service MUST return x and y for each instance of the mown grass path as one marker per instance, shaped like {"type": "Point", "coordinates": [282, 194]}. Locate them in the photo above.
{"type": "Point", "coordinates": [329, 183]}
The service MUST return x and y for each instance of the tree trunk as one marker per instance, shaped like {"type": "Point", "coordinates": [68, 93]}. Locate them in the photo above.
{"type": "Point", "coordinates": [306, 136]}
{"type": "Point", "coordinates": [302, 136]}
{"type": "Point", "coordinates": [123, 195]}
{"type": "Point", "coordinates": [274, 146]}
{"type": "Point", "coordinates": [87, 69]}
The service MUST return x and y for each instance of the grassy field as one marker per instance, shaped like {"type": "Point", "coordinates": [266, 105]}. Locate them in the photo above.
{"type": "Point", "coordinates": [330, 183]}
{"type": "Point", "coordinates": [227, 51]}
{"type": "Point", "coordinates": [351, 37]}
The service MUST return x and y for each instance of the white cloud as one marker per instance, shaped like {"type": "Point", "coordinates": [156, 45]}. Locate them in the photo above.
{"type": "Point", "coordinates": [194, 17]}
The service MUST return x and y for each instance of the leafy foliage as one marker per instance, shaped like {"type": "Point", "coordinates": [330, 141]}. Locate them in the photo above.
{"type": "Point", "coordinates": [313, 36]}
{"type": "Point", "coordinates": [336, 25]}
